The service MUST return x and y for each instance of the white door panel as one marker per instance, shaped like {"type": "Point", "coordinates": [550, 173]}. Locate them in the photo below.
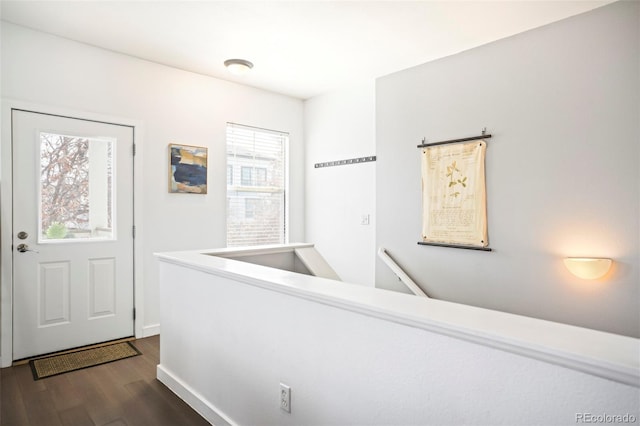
{"type": "Point", "coordinates": [73, 214]}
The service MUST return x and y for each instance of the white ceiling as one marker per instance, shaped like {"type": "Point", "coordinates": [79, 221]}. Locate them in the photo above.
{"type": "Point", "coordinates": [299, 48]}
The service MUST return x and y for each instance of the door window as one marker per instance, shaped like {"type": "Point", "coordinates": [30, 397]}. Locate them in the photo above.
{"type": "Point", "coordinates": [76, 188]}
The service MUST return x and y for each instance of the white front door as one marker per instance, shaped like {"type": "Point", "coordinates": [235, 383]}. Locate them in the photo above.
{"type": "Point", "coordinates": [72, 232]}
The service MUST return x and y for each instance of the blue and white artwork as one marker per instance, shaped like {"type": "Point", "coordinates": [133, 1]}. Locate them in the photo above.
{"type": "Point", "coordinates": [188, 169]}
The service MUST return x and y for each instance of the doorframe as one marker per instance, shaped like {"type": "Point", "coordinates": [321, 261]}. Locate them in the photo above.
{"type": "Point", "coordinates": [6, 214]}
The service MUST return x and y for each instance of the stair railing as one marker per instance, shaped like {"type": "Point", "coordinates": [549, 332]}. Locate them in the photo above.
{"type": "Point", "coordinates": [411, 285]}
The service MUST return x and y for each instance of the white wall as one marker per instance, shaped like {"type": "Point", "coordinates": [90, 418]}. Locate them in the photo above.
{"type": "Point", "coordinates": [175, 107]}
{"type": "Point", "coordinates": [351, 360]}
{"type": "Point", "coordinates": [563, 104]}
{"type": "Point", "coordinates": [341, 125]}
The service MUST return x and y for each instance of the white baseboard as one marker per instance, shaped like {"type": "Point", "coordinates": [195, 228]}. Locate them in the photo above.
{"type": "Point", "coordinates": [193, 398]}
{"type": "Point", "coordinates": [150, 330]}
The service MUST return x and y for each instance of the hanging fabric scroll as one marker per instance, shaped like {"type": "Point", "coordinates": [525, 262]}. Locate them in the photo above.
{"type": "Point", "coordinates": [454, 202]}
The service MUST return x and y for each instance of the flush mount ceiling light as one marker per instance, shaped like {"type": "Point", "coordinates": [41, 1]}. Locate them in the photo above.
{"type": "Point", "coordinates": [238, 66]}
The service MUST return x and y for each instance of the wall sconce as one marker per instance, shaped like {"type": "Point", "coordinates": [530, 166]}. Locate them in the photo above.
{"type": "Point", "coordinates": [588, 268]}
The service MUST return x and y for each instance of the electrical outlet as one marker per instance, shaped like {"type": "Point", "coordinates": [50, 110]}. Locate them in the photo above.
{"type": "Point", "coordinates": [285, 398]}
{"type": "Point", "coordinates": [364, 219]}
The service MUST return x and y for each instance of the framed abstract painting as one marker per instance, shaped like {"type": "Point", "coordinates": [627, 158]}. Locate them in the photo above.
{"type": "Point", "coordinates": [187, 169]}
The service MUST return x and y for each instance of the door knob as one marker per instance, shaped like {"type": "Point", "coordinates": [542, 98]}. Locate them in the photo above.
{"type": "Point", "coordinates": [23, 248]}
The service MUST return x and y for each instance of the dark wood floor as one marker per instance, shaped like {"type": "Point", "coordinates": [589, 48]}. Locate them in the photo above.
{"type": "Point", "coordinates": [121, 393]}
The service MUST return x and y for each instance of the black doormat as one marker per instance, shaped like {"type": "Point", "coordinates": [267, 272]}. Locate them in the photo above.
{"type": "Point", "coordinates": [85, 358]}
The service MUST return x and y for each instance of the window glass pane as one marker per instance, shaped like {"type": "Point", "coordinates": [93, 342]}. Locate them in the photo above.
{"type": "Point", "coordinates": [229, 175]}
{"type": "Point", "coordinates": [76, 188]}
{"type": "Point", "coordinates": [261, 176]}
{"type": "Point", "coordinates": [251, 205]}
{"type": "Point", "coordinates": [245, 176]}
{"type": "Point", "coordinates": [256, 211]}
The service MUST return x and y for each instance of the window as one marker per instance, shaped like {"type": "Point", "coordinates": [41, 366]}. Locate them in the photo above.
{"type": "Point", "coordinates": [229, 175]}
{"type": "Point", "coordinates": [76, 188]}
{"type": "Point", "coordinates": [252, 176]}
{"type": "Point", "coordinates": [261, 176]}
{"type": "Point", "coordinates": [256, 205]}
{"type": "Point", "coordinates": [251, 206]}
{"type": "Point", "coordinates": [246, 176]}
